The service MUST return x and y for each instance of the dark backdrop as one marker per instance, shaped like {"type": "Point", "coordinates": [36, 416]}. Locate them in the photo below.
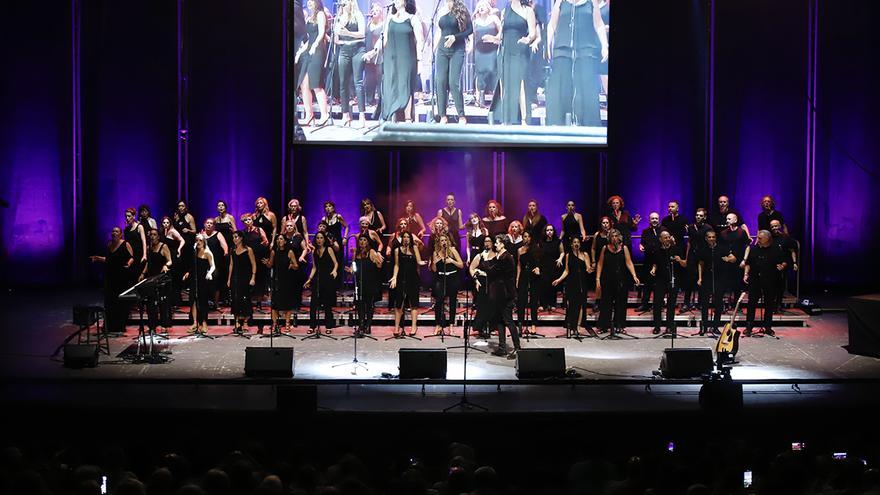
{"type": "Point", "coordinates": [666, 141]}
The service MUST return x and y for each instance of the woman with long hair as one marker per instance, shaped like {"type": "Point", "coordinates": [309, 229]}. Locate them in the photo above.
{"type": "Point", "coordinates": [445, 263]}
{"type": "Point", "coordinates": [403, 45]}
{"type": "Point", "coordinates": [200, 280]}
{"type": "Point", "coordinates": [117, 278]}
{"type": "Point", "coordinates": [336, 224]}
{"type": "Point", "coordinates": [600, 239]}
{"type": "Point", "coordinates": [486, 27]}
{"type": "Point", "coordinates": [577, 266]}
{"type": "Point", "coordinates": [224, 222]}
{"type": "Point", "coordinates": [265, 219]}
{"type": "Point", "coordinates": [169, 235]}
{"type": "Point", "coordinates": [325, 268]}
{"type": "Point", "coordinates": [284, 281]}
{"type": "Point", "coordinates": [405, 283]}
{"type": "Point", "coordinates": [528, 276]}
{"type": "Point", "coordinates": [476, 234]}
{"type": "Point", "coordinates": [478, 267]}
{"type": "Point", "coordinates": [241, 279]}
{"type": "Point", "coordinates": [414, 222]}
{"type": "Point", "coordinates": [366, 271]}
{"type": "Point", "coordinates": [613, 270]}
{"type": "Point", "coordinates": [551, 254]}
{"type": "Point", "coordinates": [257, 239]}
{"type": "Point", "coordinates": [349, 35]}
{"type": "Point", "coordinates": [455, 25]}
{"type": "Point", "coordinates": [518, 31]}
{"type": "Point", "coordinates": [136, 237]}
{"type": "Point", "coordinates": [533, 221]}
{"type": "Point", "coordinates": [622, 220]}
{"type": "Point", "coordinates": [513, 239]}
{"type": "Point", "coordinates": [313, 53]}
{"type": "Point", "coordinates": [373, 58]}
{"type": "Point", "coordinates": [377, 221]}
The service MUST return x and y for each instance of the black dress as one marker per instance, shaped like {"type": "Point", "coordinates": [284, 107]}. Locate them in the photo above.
{"type": "Point", "coordinates": [254, 240]}
{"type": "Point", "coordinates": [200, 287]}
{"type": "Point", "coordinates": [535, 226]}
{"type": "Point", "coordinates": [514, 65]}
{"type": "Point", "coordinates": [264, 223]}
{"type": "Point", "coordinates": [615, 285]}
{"type": "Point", "coordinates": [334, 229]}
{"type": "Point", "coordinates": [400, 76]}
{"type": "Point", "coordinates": [313, 65]}
{"type": "Point", "coordinates": [117, 279]}
{"type": "Point", "coordinates": [375, 222]}
{"type": "Point", "coordinates": [368, 279]}
{"type": "Point", "coordinates": [570, 229]}
{"type": "Point", "coordinates": [733, 242]}
{"type": "Point", "coordinates": [575, 292]}
{"type": "Point", "coordinates": [454, 226]}
{"type": "Point", "coordinates": [512, 246]}
{"type": "Point", "coordinates": [158, 312]}
{"type": "Point", "coordinates": [475, 244]}
{"type": "Point", "coordinates": [221, 262]}
{"type": "Point", "coordinates": [481, 297]}
{"type": "Point", "coordinates": [299, 275]}
{"type": "Point", "coordinates": [323, 289]}
{"type": "Point", "coordinates": [133, 238]}
{"type": "Point", "coordinates": [573, 86]}
{"type": "Point", "coordinates": [549, 271]}
{"type": "Point", "coordinates": [485, 57]}
{"type": "Point", "coordinates": [189, 239]}
{"type": "Point", "coordinates": [407, 291]}
{"type": "Point", "coordinates": [527, 286]}
{"type": "Point", "coordinates": [240, 287]}
{"type": "Point", "coordinates": [446, 285]}
{"type": "Point", "coordinates": [283, 281]}
{"type": "Point", "coordinates": [495, 227]}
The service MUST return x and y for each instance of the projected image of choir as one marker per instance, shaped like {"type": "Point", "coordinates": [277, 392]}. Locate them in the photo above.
{"type": "Point", "coordinates": [461, 61]}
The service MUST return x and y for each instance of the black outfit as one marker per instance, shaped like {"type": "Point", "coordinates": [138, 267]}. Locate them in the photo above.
{"type": "Point", "coordinates": [312, 65]}
{"type": "Point", "coordinates": [719, 219]}
{"type": "Point", "coordinates": [573, 86]}
{"type": "Point", "coordinates": [200, 288]}
{"type": "Point", "coordinates": [651, 242]}
{"type": "Point", "coordinates": [575, 292]}
{"type": "Point", "coordinates": [299, 221]}
{"type": "Point", "coordinates": [239, 286]}
{"type": "Point", "coordinates": [527, 286]}
{"type": "Point", "coordinates": [763, 283]}
{"type": "Point", "coordinates": [512, 246]}
{"type": "Point", "coordinates": [570, 230]}
{"type": "Point", "coordinates": [375, 223]}
{"type": "Point", "coordinates": [667, 281]}
{"type": "Point", "coordinates": [446, 285]}
{"type": "Point", "coordinates": [485, 57]}
{"type": "Point", "coordinates": [481, 297]}
{"type": "Point", "coordinates": [373, 68]}
{"type": "Point", "coordinates": [502, 292]}
{"type": "Point", "coordinates": [400, 76]}
{"type": "Point", "coordinates": [254, 240]}
{"type": "Point", "coordinates": [514, 64]}
{"type": "Point", "coordinates": [323, 289]}
{"type": "Point", "coordinates": [449, 63]}
{"type": "Point", "coordinates": [696, 234]}
{"type": "Point", "coordinates": [734, 242]}
{"type": "Point", "coordinates": [765, 217]}
{"type": "Point", "coordinates": [334, 229]}
{"type": "Point", "coordinates": [407, 291]}
{"type": "Point", "coordinates": [676, 226]}
{"type": "Point", "coordinates": [368, 280]}
{"type": "Point", "coordinates": [535, 226]}
{"type": "Point", "coordinates": [133, 238]}
{"type": "Point", "coordinates": [475, 244]}
{"type": "Point", "coordinates": [712, 287]}
{"type": "Point", "coordinates": [549, 253]}
{"type": "Point", "coordinates": [284, 281]}
{"type": "Point", "coordinates": [158, 311]}
{"type": "Point", "coordinates": [117, 279]}
{"type": "Point", "coordinates": [189, 240]}
{"type": "Point", "coordinates": [497, 226]}
{"type": "Point", "coordinates": [350, 62]}
{"type": "Point", "coordinates": [788, 246]}
{"type": "Point", "coordinates": [299, 275]}
{"type": "Point", "coordinates": [615, 283]}
{"type": "Point", "coordinates": [601, 240]}
{"type": "Point", "coordinates": [221, 262]}
{"type": "Point", "coordinates": [454, 226]}
{"type": "Point", "coordinates": [624, 224]}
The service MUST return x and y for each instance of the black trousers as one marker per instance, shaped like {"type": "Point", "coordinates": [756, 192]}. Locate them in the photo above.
{"type": "Point", "coordinates": [447, 71]}
{"type": "Point", "coordinates": [503, 317]}
{"type": "Point", "coordinates": [321, 299]}
{"type": "Point", "coordinates": [662, 288]}
{"type": "Point", "coordinates": [527, 296]}
{"type": "Point", "coordinates": [483, 310]}
{"type": "Point", "coordinates": [647, 285]}
{"type": "Point", "coordinates": [711, 297]}
{"type": "Point", "coordinates": [351, 72]}
{"type": "Point", "coordinates": [612, 306]}
{"type": "Point", "coordinates": [767, 289]}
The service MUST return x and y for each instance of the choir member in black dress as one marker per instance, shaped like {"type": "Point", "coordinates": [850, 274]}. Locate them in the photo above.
{"type": "Point", "coordinates": [136, 237]}
{"type": "Point", "coordinates": [350, 29]}
{"type": "Point", "coordinates": [158, 262]}
{"type": "Point", "coordinates": [528, 276]}
{"type": "Point", "coordinates": [296, 243]}
{"type": "Point", "coordinates": [285, 282]}
{"type": "Point", "coordinates": [735, 240]}
{"type": "Point", "coordinates": [295, 214]}
{"type": "Point", "coordinates": [224, 222]}
{"type": "Point", "coordinates": [332, 241]}
{"type": "Point", "coordinates": [220, 249]}
{"type": "Point", "coordinates": [401, 53]}
{"type": "Point", "coordinates": [145, 218]}
{"type": "Point", "coordinates": [414, 222]}
{"type": "Point", "coordinates": [552, 254]}
{"type": "Point", "coordinates": [577, 267]}
{"type": "Point", "coordinates": [710, 264]}
{"type": "Point", "coordinates": [454, 221]}
{"type": "Point", "coordinates": [405, 282]}
{"type": "Point", "coordinates": [518, 31]}
{"type": "Point", "coordinates": [366, 270]}
{"type": "Point", "coordinates": [572, 225]}
{"type": "Point", "coordinates": [513, 239]}
{"type": "Point", "coordinates": [256, 239]}
{"type": "Point", "coordinates": [622, 220]}
{"type": "Point", "coordinates": [675, 223]}
{"type": "Point", "coordinates": [117, 279]}
{"type": "Point", "coordinates": [666, 268]}
{"type": "Point", "coordinates": [185, 224]}
{"type": "Point", "coordinates": [324, 271]}
{"type": "Point", "coordinates": [789, 248]}
{"type": "Point", "coordinates": [265, 219]}
{"type": "Point", "coordinates": [241, 280]}
{"type": "Point", "coordinates": [501, 283]}
{"type": "Point", "coordinates": [495, 221]}
{"type": "Point", "coordinates": [377, 221]}
{"type": "Point", "coordinates": [200, 277]}
{"type": "Point", "coordinates": [375, 238]}
{"type": "Point", "coordinates": [533, 221]}
{"type": "Point", "coordinates": [600, 239]}
{"type": "Point", "coordinates": [768, 213]}
{"type": "Point", "coordinates": [649, 243]}
{"type": "Point", "coordinates": [476, 234]}
{"type": "Point", "coordinates": [696, 234]}
{"type": "Point", "coordinates": [478, 267]}
{"type": "Point", "coordinates": [613, 272]}
{"type": "Point", "coordinates": [455, 26]}
{"type": "Point", "coordinates": [439, 227]}
{"type": "Point", "coordinates": [763, 265]}
{"type": "Point", "coordinates": [169, 235]}
{"type": "Point", "coordinates": [445, 263]}
{"type": "Point", "coordinates": [576, 43]}
{"type": "Point", "coordinates": [336, 224]}
{"type": "Point", "coordinates": [311, 59]}
{"type": "Point", "coordinates": [487, 25]}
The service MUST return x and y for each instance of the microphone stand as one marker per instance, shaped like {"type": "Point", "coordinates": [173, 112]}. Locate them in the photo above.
{"type": "Point", "coordinates": [464, 403]}
{"type": "Point", "coordinates": [443, 297]}
{"type": "Point", "coordinates": [361, 305]}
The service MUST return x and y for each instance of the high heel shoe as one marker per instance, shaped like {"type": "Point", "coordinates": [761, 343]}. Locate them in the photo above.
{"type": "Point", "coordinates": [325, 122]}
{"type": "Point", "coordinates": [308, 122]}
{"type": "Point", "coordinates": [346, 123]}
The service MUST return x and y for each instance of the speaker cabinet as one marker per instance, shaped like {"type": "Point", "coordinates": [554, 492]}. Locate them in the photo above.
{"type": "Point", "coordinates": [686, 363]}
{"type": "Point", "coordinates": [540, 363]}
{"type": "Point", "coordinates": [422, 363]}
{"type": "Point", "coordinates": [81, 355]}
{"type": "Point", "coordinates": [268, 362]}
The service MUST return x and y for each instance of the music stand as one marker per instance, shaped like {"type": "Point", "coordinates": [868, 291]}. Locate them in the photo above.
{"type": "Point", "coordinates": [148, 292]}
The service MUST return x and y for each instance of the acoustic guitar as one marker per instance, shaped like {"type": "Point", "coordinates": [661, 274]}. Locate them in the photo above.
{"type": "Point", "coordinates": [728, 342]}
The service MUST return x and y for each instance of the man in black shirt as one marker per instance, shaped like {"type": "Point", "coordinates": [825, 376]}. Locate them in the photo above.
{"type": "Point", "coordinates": [762, 267]}
{"type": "Point", "coordinates": [649, 243]}
{"type": "Point", "coordinates": [709, 260]}
{"type": "Point", "coordinates": [718, 218]}
{"type": "Point", "coordinates": [502, 294]}
{"type": "Point", "coordinates": [789, 249]}
{"type": "Point", "coordinates": [666, 267]}
{"type": "Point", "coordinates": [768, 213]}
{"type": "Point", "coordinates": [696, 241]}
{"type": "Point", "coordinates": [675, 223]}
